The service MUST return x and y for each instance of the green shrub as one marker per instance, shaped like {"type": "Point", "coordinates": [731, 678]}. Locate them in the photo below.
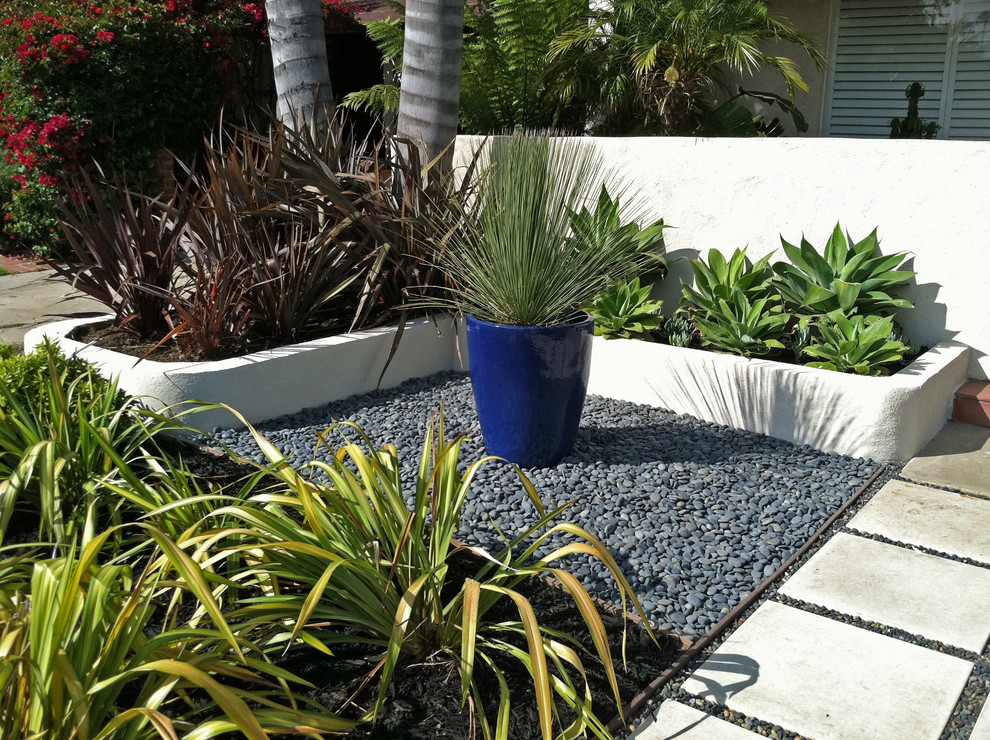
{"type": "Point", "coordinates": [84, 654]}
{"type": "Point", "coordinates": [625, 310]}
{"type": "Point", "coordinates": [716, 280]}
{"type": "Point", "coordinates": [508, 82]}
{"type": "Point", "coordinates": [744, 327]}
{"type": "Point", "coordinates": [55, 415]}
{"type": "Point", "coordinates": [852, 277]}
{"type": "Point", "coordinates": [113, 80]}
{"type": "Point", "coordinates": [856, 344]}
{"type": "Point", "coordinates": [732, 305]}
{"type": "Point", "coordinates": [354, 555]}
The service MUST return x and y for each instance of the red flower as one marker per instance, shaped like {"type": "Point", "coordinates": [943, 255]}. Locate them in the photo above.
{"type": "Point", "coordinates": [104, 36]}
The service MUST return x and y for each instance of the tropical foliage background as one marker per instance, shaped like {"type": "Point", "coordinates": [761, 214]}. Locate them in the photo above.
{"type": "Point", "coordinates": [632, 67]}
{"type": "Point", "coordinates": [83, 81]}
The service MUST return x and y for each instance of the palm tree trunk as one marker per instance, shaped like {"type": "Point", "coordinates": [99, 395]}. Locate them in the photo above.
{"type": "Point", "coordinates": [431, 76]}
{"type": "Point", "coordinates": [299, 57]}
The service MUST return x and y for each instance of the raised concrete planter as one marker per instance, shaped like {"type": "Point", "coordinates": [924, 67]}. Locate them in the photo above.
{"type": "Point", "coordinates": [881, 418]}
{"type": "Point", "coordinates": [263, 385]}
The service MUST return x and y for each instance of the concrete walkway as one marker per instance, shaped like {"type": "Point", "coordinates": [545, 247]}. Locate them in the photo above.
{"type": "Point", "coordinates": [29, 299]}
{"type": "Point", "coordinates": [881, 634]}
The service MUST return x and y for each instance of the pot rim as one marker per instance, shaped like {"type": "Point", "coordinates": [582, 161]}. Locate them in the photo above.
{"type": "Point", "coordinates": [587, 318]}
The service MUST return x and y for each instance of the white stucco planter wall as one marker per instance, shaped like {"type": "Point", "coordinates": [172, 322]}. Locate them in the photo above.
{"type": "Point", "coordinates": [263, 385]}
{"type": "Point", "coordinates": [880, 418]}
{"type": "Point", "coordinates": [929, 198]}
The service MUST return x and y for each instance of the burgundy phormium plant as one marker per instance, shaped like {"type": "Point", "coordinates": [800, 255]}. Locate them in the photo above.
{"type": "Point", "coordinates": [276, 238]}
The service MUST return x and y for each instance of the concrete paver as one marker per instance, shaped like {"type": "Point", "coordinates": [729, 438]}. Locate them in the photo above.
{"type": "Point", "coordinates": [30, 299]}
{"type": "Point", "coordinates": [675, 721]}
{"type": "Point", "coordinates": [958, 457]}
{"type": "Point", "coordinates": [919, 515]}
{"type": "Point", "coordinates": [830, 681]}
{"type": "Point", "coordinates": [938, 598]}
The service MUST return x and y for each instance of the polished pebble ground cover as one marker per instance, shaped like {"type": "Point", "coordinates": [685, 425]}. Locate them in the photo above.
{"type": "Point", "coordinates": [696, 514]}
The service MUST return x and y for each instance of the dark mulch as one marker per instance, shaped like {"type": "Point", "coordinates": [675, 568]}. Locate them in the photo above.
{"type": "Point", "coordinates": [424, 698]}
{"type": "Point", "coordinates": [129, 343]}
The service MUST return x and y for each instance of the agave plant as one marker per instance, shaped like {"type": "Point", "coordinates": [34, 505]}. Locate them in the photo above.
{"type": "Point", "coordinates": [625, 310]}
{"type": "Point", "coordinates": [855, 344]}
{"type": "Point", "coordinates": [679, 329]}
{"type": "Point", "coordinates": [852, 277]}
{"type": "Point", "coordinates": [744, 327]}
{"type": "Point", "coordinates": [719, 278]}
{"type": "Point", "coordinates": [354, 554]}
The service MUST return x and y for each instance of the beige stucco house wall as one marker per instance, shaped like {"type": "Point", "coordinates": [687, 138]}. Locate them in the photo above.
{"type": "Point", "coordinates": [816, 18]}
{"type": "Point", "coordinates": [876, 48]}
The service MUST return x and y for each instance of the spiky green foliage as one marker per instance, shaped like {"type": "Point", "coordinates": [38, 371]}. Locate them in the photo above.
{"type": "Point", "coordinates": [852, 277]}
{"type": "Point", "coordinates": [855, 344]}
{"type": "Point", "coordinates": [801, 338]}
{"type": "Point", "coordinates": [350, 561]}
{"type": "Point", "coordinates": [58, 419]}
{"type": "Point", "coordinates": [680, 330]}
{"type": "Point", "coordinates": [525, 253]}
{"type": "Point", "coordinates": [717, 279]}
{"type": "Point", "coordinates": [743, 326]}
{"type": "Point", "coordinates": [625, 311]}
{"type": "Point", "coordinates": [652, 62]}
{"type": "Point", "coordinates": [83, 655]}
{"type": "Point", "coordinates": [604, 225]}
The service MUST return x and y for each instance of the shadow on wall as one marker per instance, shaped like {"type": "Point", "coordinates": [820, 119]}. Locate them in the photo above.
{"type": "Point", "coordinates": [679, 271]}
{"type": "Point", "coordinates": [926, 322]}
{"type": "Point", "coordinates": [755, 396]}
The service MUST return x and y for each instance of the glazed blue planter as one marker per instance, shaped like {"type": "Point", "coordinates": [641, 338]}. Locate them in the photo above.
{"type": "Point", "coordinates": [529, 386]}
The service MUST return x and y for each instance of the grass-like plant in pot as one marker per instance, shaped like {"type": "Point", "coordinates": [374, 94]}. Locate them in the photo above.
{"type": "Point", "coordinates": [355, 561]}
{"type": "Point", "coordinates": [522, 258]}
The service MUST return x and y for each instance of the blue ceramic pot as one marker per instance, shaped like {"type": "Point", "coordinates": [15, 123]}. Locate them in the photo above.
{"type": "Point", "coordinates": [529, 386]}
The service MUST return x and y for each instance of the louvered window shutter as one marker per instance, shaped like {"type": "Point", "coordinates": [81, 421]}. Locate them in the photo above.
{"type": "Point", "coordinates": [882, 46]}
